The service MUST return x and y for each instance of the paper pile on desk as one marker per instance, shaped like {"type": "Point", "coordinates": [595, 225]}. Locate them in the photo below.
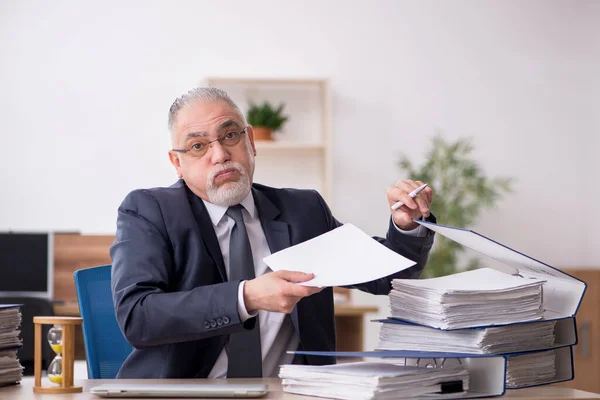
{"type": "Point", "coordinates": [11, 370]}
{"type": "Point", "coordinates": [374, 380]}
{"type": "Point", "coordinates": [481, 297]}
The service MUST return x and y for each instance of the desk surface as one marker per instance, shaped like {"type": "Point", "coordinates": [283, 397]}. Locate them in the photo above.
{"type": "Point", "coordinates": [24, 391]}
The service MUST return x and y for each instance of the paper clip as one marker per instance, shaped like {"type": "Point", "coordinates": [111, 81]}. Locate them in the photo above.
{"type": "Point", "coordinates": [442, 362]}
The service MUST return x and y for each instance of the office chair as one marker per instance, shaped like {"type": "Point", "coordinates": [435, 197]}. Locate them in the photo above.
{"type": "Point", "coordinates": [32, 307]}
{"type": "Point", "coordinates": [105, 345]}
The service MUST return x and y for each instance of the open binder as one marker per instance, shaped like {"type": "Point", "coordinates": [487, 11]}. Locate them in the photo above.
{"type": "Point", "coordinates": [562, 293]}
{"type": "Point", "coordinates": [563, 364]}
{"type": "Point", "coordinates": [565, 333]}
{"type": "Point", "coordinates": [487, 372]}
{"type": "Point", "coordinates": [375, 380]}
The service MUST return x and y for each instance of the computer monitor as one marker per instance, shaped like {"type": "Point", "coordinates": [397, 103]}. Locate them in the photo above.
{"type": "Point", "coordinates": [26, 264]}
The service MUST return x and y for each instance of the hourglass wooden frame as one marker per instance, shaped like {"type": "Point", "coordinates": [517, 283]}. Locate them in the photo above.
{"type": "Point", "coordinates": [68, 353]}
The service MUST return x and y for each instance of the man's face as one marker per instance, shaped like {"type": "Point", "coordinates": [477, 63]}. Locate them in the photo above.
{"type": "Point", "coordinates": [223, 175]}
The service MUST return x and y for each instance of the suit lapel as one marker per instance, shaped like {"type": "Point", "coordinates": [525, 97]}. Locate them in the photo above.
{"type": "Point", "coordinates": [207, 232]}
{"type": "Point", "coordinates": [276, 232]}
{"type": "Point", "coordinates": [278, 236]}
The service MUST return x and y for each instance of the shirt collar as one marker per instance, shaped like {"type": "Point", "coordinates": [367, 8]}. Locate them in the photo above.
{"type": "Point", "coordinates": [216, 211]}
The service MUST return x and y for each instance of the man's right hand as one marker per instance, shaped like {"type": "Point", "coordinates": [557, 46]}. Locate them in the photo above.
{"type": "Point", "coordinates": [277, 291]}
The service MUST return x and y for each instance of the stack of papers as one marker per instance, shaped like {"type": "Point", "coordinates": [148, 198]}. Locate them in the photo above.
{"type": "Point", "coordinates": [494, 340]}
{"type": "Point", "coordinates": [11, 370]}
{"type": "Point", "coordinates": [374, 380]}
{"type": "Point", "coordinates": [530, 369]}
{"type": "Point", "coordinates": [468, 299]}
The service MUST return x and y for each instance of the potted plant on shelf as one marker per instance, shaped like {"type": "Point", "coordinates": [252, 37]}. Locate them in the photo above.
{"type": "Point", "coordinates": [265, 119]}
{"type": "Point", "coordinates": [462, 191]}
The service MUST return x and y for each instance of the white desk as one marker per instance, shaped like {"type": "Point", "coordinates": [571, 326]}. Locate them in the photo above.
{"type": "Point", "coordinates": [24, 391]}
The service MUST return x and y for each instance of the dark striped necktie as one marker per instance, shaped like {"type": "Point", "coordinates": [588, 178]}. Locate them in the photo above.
{"type": "Point", "coordinates": [244, 350]}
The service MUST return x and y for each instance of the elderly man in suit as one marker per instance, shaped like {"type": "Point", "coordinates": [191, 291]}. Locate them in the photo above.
{"type": "Point", "coordinates": [191, 292]}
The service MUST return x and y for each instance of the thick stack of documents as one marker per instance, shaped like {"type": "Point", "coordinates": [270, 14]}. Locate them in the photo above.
{"type": "Point", "coordinates": [11, 370]}
{"type": "Point", "coordinates": [468, 299]}
{"type": "Point", "coordinates": [531, 369]}
{"type": "Point", "coordinates": [397, 335]}
{"type": "Point", "coordinates": [522, 369]}
{"type": "Point", "coordinates": [374, 380]}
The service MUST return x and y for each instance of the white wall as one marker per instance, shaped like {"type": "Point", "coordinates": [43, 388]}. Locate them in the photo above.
{"type": "Point", "coordinates": [86, 87]}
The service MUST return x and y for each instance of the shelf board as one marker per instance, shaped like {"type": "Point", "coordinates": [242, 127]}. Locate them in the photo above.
{"type": "Point", "coordinates": [283, 145]}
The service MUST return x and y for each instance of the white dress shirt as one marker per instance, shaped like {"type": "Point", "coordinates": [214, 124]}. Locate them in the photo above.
{"type": "Point", "coordinates": [277, 334]}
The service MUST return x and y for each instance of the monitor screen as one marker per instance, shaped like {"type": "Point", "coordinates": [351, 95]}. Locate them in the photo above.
{"type": "Point", "coordinates": [26, 264]}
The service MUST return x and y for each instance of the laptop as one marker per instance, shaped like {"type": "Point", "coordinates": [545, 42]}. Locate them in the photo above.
{"type": "Point", "coordinates": [189, 390]}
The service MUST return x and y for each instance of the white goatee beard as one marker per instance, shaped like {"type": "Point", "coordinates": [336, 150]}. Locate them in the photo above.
{"type": "Point", "coordinates": [229, 193]}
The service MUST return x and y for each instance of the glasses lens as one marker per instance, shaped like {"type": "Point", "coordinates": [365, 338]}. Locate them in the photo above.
{"type": "Point", "coordinates": [231, 139]}
{"type": "Point", "coordinates": [199, 149]}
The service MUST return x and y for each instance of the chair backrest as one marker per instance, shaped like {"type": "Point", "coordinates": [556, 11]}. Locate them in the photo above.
{"type": "Point", "coordinates": [105, 345]}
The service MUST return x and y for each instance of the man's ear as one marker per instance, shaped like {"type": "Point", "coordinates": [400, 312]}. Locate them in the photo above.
{"type": "Point", "coordinates": [174, 158]}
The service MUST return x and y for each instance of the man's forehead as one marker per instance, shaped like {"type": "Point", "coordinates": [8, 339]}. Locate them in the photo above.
{"type": "Point", "coordinates": [205, 111]}
{"type": "Point", "coordinates": [206, 116]}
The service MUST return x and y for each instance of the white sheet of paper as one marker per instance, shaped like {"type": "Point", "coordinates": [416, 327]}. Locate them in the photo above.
{"type": "Point", "coordinates": [343, 256]}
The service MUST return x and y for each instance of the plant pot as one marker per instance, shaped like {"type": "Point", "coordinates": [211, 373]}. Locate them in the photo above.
{"type": "Point", "coordinates": [262, 133]}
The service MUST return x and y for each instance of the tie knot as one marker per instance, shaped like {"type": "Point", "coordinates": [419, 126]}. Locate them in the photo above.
{"type": "Point", "coordinates": [235, 212]}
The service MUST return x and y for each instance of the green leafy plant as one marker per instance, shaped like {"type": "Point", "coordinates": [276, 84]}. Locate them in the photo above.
{"type": "Point", "coordinates": [461, 191]}
{"type": "Point", "coordinates": [266, 115]}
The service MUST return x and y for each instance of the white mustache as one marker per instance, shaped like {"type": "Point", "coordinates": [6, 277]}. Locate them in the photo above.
{"type": "Point", "coordinates": [223, 167]}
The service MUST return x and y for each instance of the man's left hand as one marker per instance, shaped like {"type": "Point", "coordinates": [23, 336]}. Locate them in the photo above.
{"type": "Point", "coordinates": [413, 208]}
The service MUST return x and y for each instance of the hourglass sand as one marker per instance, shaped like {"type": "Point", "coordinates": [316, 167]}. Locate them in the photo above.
{"type": "Point", "coordinates": [61, 338]}
{"type": "Point", "coordinates": [55, 367]}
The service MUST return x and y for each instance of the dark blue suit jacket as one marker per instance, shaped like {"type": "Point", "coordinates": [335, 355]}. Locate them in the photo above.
{"type": "Point", "coordinates": [170, 288]}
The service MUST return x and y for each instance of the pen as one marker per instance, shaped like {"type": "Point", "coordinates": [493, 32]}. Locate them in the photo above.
{"type": "Point", "coordinates": [412, 195]}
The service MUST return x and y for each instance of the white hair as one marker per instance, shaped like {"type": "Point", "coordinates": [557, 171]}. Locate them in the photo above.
{"type": "Point", "coordinates": [202, 95]}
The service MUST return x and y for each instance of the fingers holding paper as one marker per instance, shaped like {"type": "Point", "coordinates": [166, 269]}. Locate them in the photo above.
{"type": "Point", "coordinates": [412, 207]}
{"type": "Point", "coordinates": [277, 291]}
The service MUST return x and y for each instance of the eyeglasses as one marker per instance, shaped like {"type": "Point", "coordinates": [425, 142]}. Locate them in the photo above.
{"type": "Point", "coordinates": [200, 147]}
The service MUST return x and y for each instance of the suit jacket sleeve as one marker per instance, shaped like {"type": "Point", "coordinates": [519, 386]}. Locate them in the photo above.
{"type": "Point", "coordinates": [148, 311]}
{"type": "Point", "coordinates": [412, 247]}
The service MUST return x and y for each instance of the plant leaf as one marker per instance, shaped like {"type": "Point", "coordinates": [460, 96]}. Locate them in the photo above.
{"type": "Point", "coordinates": [266, 115]}
{"type": "Point", "coordinates": [461, 192]}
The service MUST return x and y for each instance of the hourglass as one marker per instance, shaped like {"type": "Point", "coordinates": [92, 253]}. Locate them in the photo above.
{"type": "Point", "coordinates": [61, 338]}
{"type": "Point", "coordinates": [55, 367]}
